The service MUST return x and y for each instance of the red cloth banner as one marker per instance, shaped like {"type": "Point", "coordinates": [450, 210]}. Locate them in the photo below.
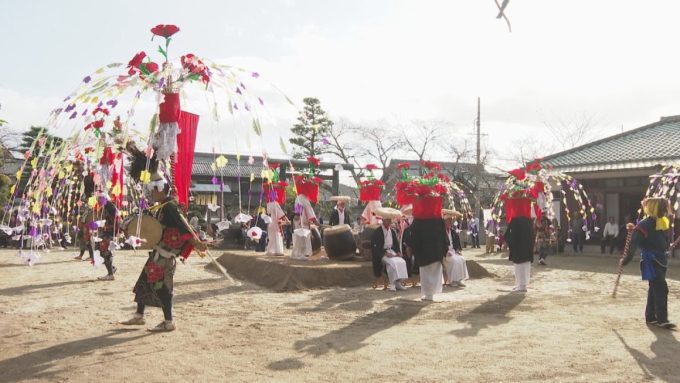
{"type": "Point", "coordinates": [186, 142]}
{"type": "Point", "coordinates": [117, 179]}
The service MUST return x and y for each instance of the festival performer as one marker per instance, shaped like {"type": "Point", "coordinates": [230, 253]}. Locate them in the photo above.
{"type": "Point", "coordinates": [520, 232]}
{"type": "Point", "coordinates": [369, 192]}
{"type": "Point", "coordinates": [428, 236]}
{"type": "Point", "coordinates": [652, 236]}
{"type": "Point", "coordinates": [111, 227]}
{"type": "Point", "coordinates": [84, 241]}
{"type": "Point", "coordinates": [340, 215]}
{"type": "Point", "coordinates": [385, 245]}
{"type": "Point", "coordinates": [276, 195]}
{"type": "Point", "coordinates": [307, 187]}
{"type": "Point", "coordinates": [155, 284]}
{"type": "Point", "coordinates": [454, 263]}
{"type": "Point", "coordinates": [545, 238]}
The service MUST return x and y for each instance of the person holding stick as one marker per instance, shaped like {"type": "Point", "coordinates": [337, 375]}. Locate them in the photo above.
{"type": "Point", "coordinates": [155, 284]}
{"type": "Point", "coordinates": [651, 235]}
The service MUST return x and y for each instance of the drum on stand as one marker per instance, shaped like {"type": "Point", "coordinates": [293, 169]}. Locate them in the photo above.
{"type": "Point", "coordinates": [365, 245]}
{"type": "Point", "coordinates": [149, 229]}
{"type": "Point", "coordinates": [339, 242]}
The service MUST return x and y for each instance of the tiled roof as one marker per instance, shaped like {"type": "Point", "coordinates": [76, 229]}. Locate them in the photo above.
{"type": "Point", "coordinates": [202, 162]}
{"type": "Point", "coordinates": [644, 147]}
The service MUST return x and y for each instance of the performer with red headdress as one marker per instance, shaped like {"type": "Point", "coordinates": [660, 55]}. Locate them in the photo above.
{"type": "Point", "coordinates": [307, 187]}
{"type": "Point", "coordinates": [275, 192]}
{"type": "Point", "coordinates": [428, 236]}
{"type": "Point", "coordinates": [520, 233]}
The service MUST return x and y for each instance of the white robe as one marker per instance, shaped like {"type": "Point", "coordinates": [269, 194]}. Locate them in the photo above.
{"type": "Point", "coordinates": [302, 238]}
{"type": "Point", "coordinates": [368, 215]}
{"type": "Point", "coordinates": [456, 269]}
{"type": "Point", "coordinates": [431, 280]}
{"type": "Point", "coordinates": [454, 264]}
{"type": "Point", "coordinates": [302, 244]}
{"type": "Point", "coordinates": [396, 266]}
{"type": "Point", "coordinates": [522, 274]}
{"type": "Point", "coordinates": [275, 245]}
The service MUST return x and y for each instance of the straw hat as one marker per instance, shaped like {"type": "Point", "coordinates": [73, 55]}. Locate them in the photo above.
{"type": "Point", "coordinates": [340, 198]}
{"type": "Point", "coordinates": [407, 210]}
{"type": "Point", "coordinates": [387, 213]}
{"type": "Point", "coordinates": [450, 213]}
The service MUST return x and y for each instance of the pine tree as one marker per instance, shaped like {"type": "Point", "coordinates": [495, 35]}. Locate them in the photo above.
{"type": "Point", "coordinates": [312, 128]}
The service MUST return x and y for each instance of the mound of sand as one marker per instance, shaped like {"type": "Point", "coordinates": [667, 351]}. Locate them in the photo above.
{"type": "Point", "coordinates": [287, 274]}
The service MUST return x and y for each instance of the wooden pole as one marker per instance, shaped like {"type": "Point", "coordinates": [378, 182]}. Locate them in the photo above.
{"type": "Point", "coordinates": [629, 227]}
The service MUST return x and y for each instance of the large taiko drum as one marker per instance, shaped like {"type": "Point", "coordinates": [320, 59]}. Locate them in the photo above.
{"type": "Point", "coordinates": [339, 242]}
{"type": "Point", "coordinates": [149, 229]}
{"type": "Point", "coordinates": [365, 245]}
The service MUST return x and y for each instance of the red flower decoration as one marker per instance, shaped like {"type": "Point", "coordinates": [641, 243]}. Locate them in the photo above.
{"type": "Point", "coordinates": [195, 67]}
{"type": "Point", "coordinates": [372, 167]}
{"type": "Point", "coordinates": [274, 165]}
{"type": "Point", "coordinates": [314, 161]}
{"type": "Point", "coordinates": [95, 124]}
{"type": "Point", "coordinates": [135, 62]}
{"type": "Point", "coordinates": [100, 110]}
{"type": "Point", "coordinates": [163, 30]}
{"type": "Point", "coordinates": [151, 67]}
{"type": "Point", "coordinates": [534, 166]}
{"type": "Point", "coordinates": [317, 180]}
{"type": "Point", "coordinates": [403, 165]}
{"type": "Point", "coordinates": [154, 272]}
{"type": "Point", "coordinates": [173, 238]}
{"type": "Point", "coordinates": [431, 165]}
{"type": "Point", "coordinates": [518, 173]}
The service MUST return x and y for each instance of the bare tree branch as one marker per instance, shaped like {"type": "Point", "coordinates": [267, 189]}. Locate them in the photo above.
{"type": "Point", "coordinates": [574, 131]}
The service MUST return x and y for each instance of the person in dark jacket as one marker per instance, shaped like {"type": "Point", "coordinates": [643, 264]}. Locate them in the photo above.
{"type": "Point", "coordinates": [652, 236]}
{"type": "Point", "coordinates": [385, 245]}
{"type": "Point", "coordinates": [340, 215]}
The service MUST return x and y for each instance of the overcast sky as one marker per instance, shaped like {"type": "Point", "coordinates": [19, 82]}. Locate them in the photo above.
{"type": "Point", "coordinates": [614, 60]}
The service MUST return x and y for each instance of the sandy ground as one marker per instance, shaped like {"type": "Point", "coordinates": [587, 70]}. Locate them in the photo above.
{"type": "Point", "coordinates": [57, 325]}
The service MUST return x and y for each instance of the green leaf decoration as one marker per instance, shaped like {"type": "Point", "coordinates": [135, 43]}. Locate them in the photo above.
{"type": "Point", "coordinates": [153, 124]}
{"type": "Point", "coordinates": [162, 51]}
{"type": "Point", "coordinates": [256, 127]}
{"type": "Point", "coordinates": [283, 145]}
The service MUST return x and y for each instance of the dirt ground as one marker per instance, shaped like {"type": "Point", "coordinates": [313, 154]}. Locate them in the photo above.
{"type": "Point", "coordinates": [57, 324]}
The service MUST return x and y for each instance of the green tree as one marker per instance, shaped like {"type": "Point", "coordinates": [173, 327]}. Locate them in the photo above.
{"type": "Point", "coordinates": [31, 134]}
{"type": "Point", "coordinates": [311, 129]}
{"type": "Point", "coordinates": [5, 184]}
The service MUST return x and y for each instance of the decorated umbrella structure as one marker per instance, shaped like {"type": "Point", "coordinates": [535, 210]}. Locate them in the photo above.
{"type": "Point", "coordinates": [665, 184]}
{"type": "Point", "coordinates": [370, 191]}
{"type": "Point", "coordinates": [60, 177]}
{"type": "Point", "coordinates": [535, 182]}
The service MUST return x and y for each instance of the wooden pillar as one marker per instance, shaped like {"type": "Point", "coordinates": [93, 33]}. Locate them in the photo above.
{"type": "Point", "coordinates": [335, 188]}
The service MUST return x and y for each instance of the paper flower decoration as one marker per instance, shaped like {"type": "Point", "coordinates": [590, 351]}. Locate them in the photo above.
{"type": "Point", "coordinates": [221, 161]}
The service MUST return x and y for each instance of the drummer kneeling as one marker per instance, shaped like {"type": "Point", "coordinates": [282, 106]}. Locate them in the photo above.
{"type": "Point", "coordinates": [454, 263]}
{"type": "Point", "coordinates": [385, 244]}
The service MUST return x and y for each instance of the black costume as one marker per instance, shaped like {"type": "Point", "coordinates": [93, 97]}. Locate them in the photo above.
{"type": "Point", "coordinates": [335, 218]}
{"type": "Point", "coordinates": [520, 239]}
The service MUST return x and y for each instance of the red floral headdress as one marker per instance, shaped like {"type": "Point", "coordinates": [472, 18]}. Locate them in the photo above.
{"type": "Point", "coordinates": [426, 192]}
{"type": "Point", "coordinates": [370, 188]}
{"type": "Point", "coordinates": [307, 184]}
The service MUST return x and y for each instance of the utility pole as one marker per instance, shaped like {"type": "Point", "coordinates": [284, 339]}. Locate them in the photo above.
{"type": "Point", "coordinates": [478, 174]}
